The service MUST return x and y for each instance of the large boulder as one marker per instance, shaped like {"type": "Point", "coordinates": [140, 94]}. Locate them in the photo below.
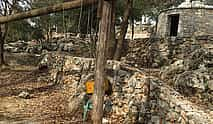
{"type": "Point", "coordinates": [191, 82]}
{"type": "Point", "coordinates": [200, 57]}
{"type": "Point", "coordinates": [192, 74]}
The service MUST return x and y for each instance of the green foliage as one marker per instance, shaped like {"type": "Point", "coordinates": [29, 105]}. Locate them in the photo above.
{"type": "Point", "coordinates": [65, 21]}
{"type": "Point", "coordinates": [77, 20]}
{"type": "Point", "coordinates": [81, 19]}
{"type": "Point", "coordinates": [209, 2]}
{"type": "Point", "coordinates": [146, 7]}
{"type": "Point", "coordinates": [23, 30]}
{"type": "Point", "coordinates": [20, 29]}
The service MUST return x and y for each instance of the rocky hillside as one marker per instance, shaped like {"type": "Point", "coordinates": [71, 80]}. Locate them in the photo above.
{"type": "Point", "coordinates": [136, 97]}
{"type": "Point", "coordinates": [158, 81]}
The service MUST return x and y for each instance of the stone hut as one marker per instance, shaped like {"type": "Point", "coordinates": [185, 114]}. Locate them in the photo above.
{"type": "Point", "coordinates": [191, 18]}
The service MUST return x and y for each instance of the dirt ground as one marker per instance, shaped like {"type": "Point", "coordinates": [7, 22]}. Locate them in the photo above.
{"type": "Point", "coordinates": [48, 104]}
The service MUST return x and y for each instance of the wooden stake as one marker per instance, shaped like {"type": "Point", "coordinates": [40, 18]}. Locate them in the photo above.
{"type": "Point", "coordinates": [101, 53]}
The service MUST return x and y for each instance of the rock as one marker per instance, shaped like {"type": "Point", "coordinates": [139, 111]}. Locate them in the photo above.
{"type": "Point", "coordinates": [191, 122]}
{"type": "Point", "coordinates": [191, 75]}
{"type": "Point", "coordinates": [144, 53]}
{"type": "Point", "coordinates": [56, 76]}
{"type": "Point", "coordinates": [75, 102]}
{"type": "Point", "coordinates": [45, 61]}
{"type": "Point", "coordinates": [191, 80]}
{"type": "Point", "coordinates": [105, 121]}
{"type": "Point", "coordinates": [24, 95]}
{"type": "Point", "coordinates": [53, 61]}
{"type": "Point", "coordinates": [108, 106]}
{"type": "Point", "coordinates": [183, 115]}
{"type": "Point", "coordinates": [176, 68]}
{"type": "Point", "coordinates": [199, 57]}
{"type": "Point", "coordinates": [73, 64]}
{"type": "Point", "coordinates": [210, 85]}
{"type": "Point", "coordinates": [130, 101]}
{"type": "Point", "coordinates": [155, 119]}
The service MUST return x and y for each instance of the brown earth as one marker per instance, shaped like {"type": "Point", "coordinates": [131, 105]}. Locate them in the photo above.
{"type": "Point", "coordinates": [47, 104]}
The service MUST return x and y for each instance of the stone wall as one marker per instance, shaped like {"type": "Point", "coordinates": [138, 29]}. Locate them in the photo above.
{"type": "Point", "coordinates": [144, 53]}
{"type": "Point", "coordinates": [192, 22]}
{"type": "Point", "coordinates": [130, 102]}
{"type": "Point", "coordinates": [182, 48]}
{"type": "Point", "coordinates": [158, 52]}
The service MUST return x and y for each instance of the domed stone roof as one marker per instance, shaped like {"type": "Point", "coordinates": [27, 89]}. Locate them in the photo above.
{"type": "Point", "coordinates": [195, 4]}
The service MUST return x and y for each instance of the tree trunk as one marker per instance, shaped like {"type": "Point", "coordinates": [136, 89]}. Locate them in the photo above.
{"type": "Point", "coordinates": [133, 27]}
{"type": "Point", "coordinates": [48, 36]}
{"type": "Point", "coordinates": [2, 62]}
{"type": "Point", "coordinates": [2, 41]}
{"type": "Point", "coordinates": [46, 10]}
{"type": "Point", "coordinates": [112, 42]}
{"type": "Point", "coordinates": [124, 26]}
{"type": "Point", "coordinates": [104, 37]}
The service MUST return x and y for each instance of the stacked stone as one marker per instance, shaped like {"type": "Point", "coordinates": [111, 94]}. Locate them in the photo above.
{"type": "Point", "coordinates": [179, 48]}
{"type": "Point", "coordinates": [73, 46]}
{"type": "Point", "coordinates": [144, 53]}
{"type": "Point", "coordinates": [131, 100]}
{"type": "Point", "coordinates": [191, 73]}
{"type": "Point", "coordinates": [136, 53]}
{"type": "Point", "coordinates": [76, 46]}
{"type": "Point", "coordinates": [53, 62]}
{"type": "Point", "coordinates": [179, 110]}
{"type": "Point", "coordinates": [127, 86]}
{"type": "Point", "coordinates": [15, 47]}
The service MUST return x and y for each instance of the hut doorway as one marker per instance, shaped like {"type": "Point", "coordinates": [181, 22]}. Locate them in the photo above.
{"type": "Point", "coordinates": [173, 24]}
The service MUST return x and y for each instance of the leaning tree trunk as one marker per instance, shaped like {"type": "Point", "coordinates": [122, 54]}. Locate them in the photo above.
{"type": "Point", "coordinates": [104, 37]}
{"type": "Point", "coordinates": [124, 26]}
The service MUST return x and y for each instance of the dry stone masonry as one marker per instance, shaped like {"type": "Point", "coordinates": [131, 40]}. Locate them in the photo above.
{"type": "Point", "coordinates": [136, 97]}
{"type": "Point", "coordinates": [187, 20]}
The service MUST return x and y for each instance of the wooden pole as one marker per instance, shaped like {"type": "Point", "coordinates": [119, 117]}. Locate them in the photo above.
{"type": "Point", "coordinates": [46, 10]}
{"type": "Point", "coordinates": [101, 53]}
